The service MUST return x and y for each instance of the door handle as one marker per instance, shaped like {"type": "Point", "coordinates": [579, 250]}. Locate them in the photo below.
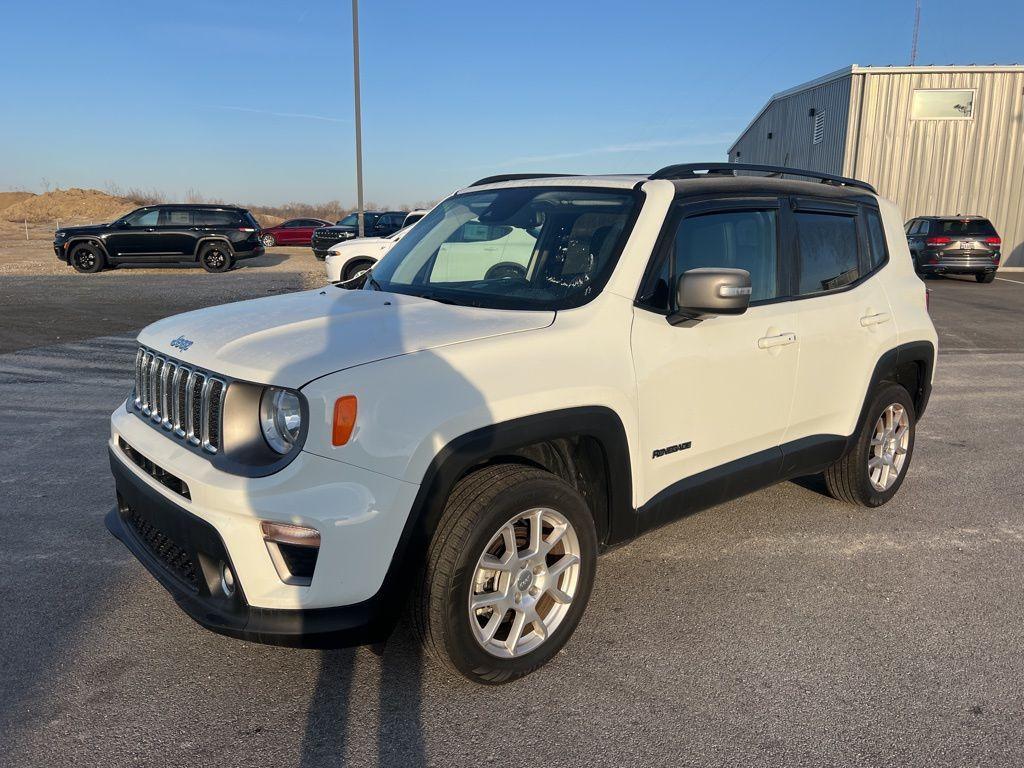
{"type": "Point", "coordinates": [782, 340]}
{"type": "Point", "coordinates": [877, 319]}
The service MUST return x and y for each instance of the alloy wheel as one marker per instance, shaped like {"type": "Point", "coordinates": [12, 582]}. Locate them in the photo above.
{"type": "Point", "coordinates": [890, 442]}
{"type": "Point", "coordinates": [524, 583]}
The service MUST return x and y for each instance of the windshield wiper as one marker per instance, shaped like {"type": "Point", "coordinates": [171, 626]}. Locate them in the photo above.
{"type": "Point", "coordinates": [372, 281]}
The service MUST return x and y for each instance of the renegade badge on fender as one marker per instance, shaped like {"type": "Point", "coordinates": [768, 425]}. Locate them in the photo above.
{"type": "Point", "coordinates": [541, 368]}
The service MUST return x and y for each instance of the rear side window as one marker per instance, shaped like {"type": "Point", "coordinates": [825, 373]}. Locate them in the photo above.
{"type": "Point", "coordinates": [216, 218]}
{"type": "Point", "coordinates": [876, 239]}
{"type": "Point", "coordinates": [174, 217]}
{"type": "Point", "coordinates": [957, 227]}
{"type": "Point", "coordinates": [828, 251]}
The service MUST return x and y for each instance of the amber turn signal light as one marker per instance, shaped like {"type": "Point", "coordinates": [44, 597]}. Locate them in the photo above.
{"type": "Point", "coordinates": [344, 419]}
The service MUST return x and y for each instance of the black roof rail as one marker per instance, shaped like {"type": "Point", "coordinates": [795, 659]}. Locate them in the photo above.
{"type": "Point", "coordinates": [517, 177]}
{"type": "Point", "coordinates": [690, 171]}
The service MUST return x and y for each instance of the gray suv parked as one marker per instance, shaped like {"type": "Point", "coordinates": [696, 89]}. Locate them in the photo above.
{"type": "Point", "coordinates": [962, 245]}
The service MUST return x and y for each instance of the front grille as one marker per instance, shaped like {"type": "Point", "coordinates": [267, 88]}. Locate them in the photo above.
{"type": "Point", "coordinates": [177, 560]}
{"type": "Point", "coordinates": [188, 403]}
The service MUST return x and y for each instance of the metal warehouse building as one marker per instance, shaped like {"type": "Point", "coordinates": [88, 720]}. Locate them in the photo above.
{"type": "Point", "coordinates": [937, 140]}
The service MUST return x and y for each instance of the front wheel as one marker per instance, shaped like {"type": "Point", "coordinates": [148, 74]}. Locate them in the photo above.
{"type": "Point", "coordinates": [87, 258]}
{"type": "Point", "coordinates": [216, 257]}
{"type": "Point", "coordinates": [508, 573]}
{"type": "Point", "coordinates": [873, 469]}
{"type": "Point", "coordinates": [985, 277]}
{"type": "Point", "coordinates": [268, 241]}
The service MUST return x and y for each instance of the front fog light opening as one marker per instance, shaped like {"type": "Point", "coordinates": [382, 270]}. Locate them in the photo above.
{"type": "Point", "coordinates": [227, 580]}
{"type": "Point", "coordinates": [293, 549]}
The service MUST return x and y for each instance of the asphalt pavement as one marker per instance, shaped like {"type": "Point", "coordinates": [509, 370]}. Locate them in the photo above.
{"type": "Point", "coordinates": [784, 628]}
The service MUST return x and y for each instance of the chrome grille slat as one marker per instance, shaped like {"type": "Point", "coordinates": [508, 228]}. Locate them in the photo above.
{"type": "Point", "coordinates": [154, 388]}
{"type": "Point", "coordinates": [187, 402]}
{"type": "Point", "coordinates": [167, 393]}
{"type": "Point", "coordinates": [147, 366]}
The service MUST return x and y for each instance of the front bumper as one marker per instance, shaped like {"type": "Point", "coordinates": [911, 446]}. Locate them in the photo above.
{"type": "Point", "coordinates": [184, 553]}
{"type": "Point", "coordinates": [360, 515]}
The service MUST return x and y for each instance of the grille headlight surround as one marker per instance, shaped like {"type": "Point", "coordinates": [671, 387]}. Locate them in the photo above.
{"type": "Point", "coordinates": [281, 419]}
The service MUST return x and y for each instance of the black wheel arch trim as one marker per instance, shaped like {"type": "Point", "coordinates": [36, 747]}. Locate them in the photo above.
{"type": "Point", "coordinates": [203, 241]}
{"type": "Point", "coordinates": [888, 367]}
{"type": "Point", "coordinates": [486, 444]}
{"type": "Point", "coordinates": [90, 240]}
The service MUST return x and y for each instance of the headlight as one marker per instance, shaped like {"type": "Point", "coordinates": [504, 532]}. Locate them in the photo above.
{"type": "Point", "coordinates": [280, 418]}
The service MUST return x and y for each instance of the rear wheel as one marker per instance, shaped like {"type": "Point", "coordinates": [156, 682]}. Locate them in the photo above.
{"type": "Point", "coordinates": [216, 257]}
{"type": "Point", "coordinates": [268, 241]}
{"type": "Point", "coordinates": [508, 573]}
{"type": "Point", "coordinates": [985, 277]}
{"type": "Point", "coordinates": [87, 258]}
{"type": "Point", "coordinates": [872, 470]}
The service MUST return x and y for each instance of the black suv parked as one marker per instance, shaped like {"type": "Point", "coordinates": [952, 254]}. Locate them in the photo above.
{"type": "Point", "coordinates": [375, 224]}
{"type": "Point", "coordinates": [963, 245]}
{"type": "Point", "coordinates": [214, 235]}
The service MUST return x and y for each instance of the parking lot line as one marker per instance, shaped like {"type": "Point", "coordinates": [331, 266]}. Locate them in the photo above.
{"type": "Point", "coordinates": [1008, 280]}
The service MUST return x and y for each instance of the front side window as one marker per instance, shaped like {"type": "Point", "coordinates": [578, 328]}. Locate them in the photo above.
{"type": "Point", "coordinates": [522, 248]}
{"type": "Point", "coordinates": [942, 104]}
{"type": "Point", "coordinates": [728, 239]}
{"type": "Point", "coordinates": [828, 251]}
{"type": "Point", "coordinates": [143, 218]}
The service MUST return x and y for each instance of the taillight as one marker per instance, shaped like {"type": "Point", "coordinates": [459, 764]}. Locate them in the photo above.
{"type": "Point", "coordinates": [246, 229]}
{"type": "Point", "coordinates": [994, 240]}
{"type": "Point", "coordinates": [938, 241]}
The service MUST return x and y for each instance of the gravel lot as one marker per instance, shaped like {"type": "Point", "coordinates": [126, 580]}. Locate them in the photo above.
{"type": "Point", "coordinates": [780, 629]}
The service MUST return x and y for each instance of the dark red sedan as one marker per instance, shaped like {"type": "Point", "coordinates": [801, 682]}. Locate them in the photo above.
{"type": "Point", "coordinates": [292, 232]}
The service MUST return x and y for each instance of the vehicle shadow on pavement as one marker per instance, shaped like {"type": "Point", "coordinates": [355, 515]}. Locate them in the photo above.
{"type": "Point", "coordinates": [399, 739]}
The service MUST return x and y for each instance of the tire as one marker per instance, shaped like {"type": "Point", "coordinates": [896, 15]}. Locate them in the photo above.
{"type": "Point", "coordinates": [216, 257]}
{"type": "Point", "coordinates": [87, 259]}
{"type": "Point", "coordinates": [478, 509]}
{"type": "Point", "coordinates": [268, 241]}
{"type": "Point", "coordinates": [985, 277]}
{"type": "Point", "coordinates": [853, 477]}
{"type": "Point", "coordinates": [353, 269]}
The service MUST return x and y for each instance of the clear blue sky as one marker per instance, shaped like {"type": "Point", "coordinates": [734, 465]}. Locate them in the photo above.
{"type": "Point", "coordinates": [251, 101]}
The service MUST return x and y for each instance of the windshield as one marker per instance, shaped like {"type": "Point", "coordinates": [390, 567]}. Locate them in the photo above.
{"type": "Point", "coordinates": [524, 248]}
{"type": "Point", "coordinates": [349, 221]}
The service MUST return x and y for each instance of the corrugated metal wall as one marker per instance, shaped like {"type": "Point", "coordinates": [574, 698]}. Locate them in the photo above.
{"type": "Point", "coordinates": [934, 167]}
{"type": "Point", "coordinates": [792, 130]}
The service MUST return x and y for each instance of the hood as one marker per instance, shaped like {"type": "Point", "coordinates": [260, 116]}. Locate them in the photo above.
{"type": "Point", "coordinates": [346, 228]}
{"type": "Point", "coordinates": [86, 229]}
{"type": "Point", "coordinates": [290, 340]}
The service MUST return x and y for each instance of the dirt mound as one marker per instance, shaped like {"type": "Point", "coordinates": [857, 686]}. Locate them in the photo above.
{"type": "Point", "coordinates": [7, 199]}
{"type": "Point", "coordinates": [68, 205]}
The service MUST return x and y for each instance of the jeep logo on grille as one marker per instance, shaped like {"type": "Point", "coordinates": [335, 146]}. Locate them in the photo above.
{"type": "Point", "coordinates": [182, 343]}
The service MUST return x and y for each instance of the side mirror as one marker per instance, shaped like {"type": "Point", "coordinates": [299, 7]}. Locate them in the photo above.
{"type": "Point", "coordinates": [122, 225]}
{"type": "Point", "coordinates": [710, 291]}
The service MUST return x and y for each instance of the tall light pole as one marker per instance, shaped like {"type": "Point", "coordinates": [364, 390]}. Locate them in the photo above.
{"type": "Point", "coordinates": [917, 28]}
{"type": "Point", "coordinates": [359, 118]}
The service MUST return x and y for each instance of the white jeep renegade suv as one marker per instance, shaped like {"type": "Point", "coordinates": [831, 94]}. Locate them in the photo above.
{"type": "Point", "coordinates": [470, 429]}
